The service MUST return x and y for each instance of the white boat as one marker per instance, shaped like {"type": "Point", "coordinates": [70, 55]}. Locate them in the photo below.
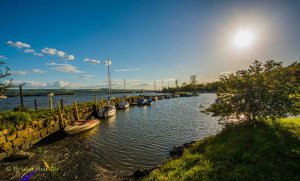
{"type": "Point", "coordinates": [175, 96]}
{"type": "Point", "coordinates": [107, 111]}
{"type": "Point", "coordinates": [51, 94]}
{"type": "Point", "coordinates": [3, 96]}
{"type": "Point", "coordinates": [123, 105]}
{"type": "Point", "coordinates": [80, 126]}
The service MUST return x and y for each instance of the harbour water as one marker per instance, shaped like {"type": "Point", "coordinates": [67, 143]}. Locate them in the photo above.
{"type": "Point", "coordinates": [139, 137]}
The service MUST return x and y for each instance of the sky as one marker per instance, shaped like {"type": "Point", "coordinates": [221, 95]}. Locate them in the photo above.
{"type": "Point", "coordinates": [64, 44]}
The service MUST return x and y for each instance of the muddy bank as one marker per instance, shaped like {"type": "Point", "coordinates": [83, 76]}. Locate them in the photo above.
{"type": "Point", "coordinates": [66, 162]}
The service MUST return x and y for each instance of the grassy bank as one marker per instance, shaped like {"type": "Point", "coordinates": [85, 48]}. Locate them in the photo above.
{"type": "Point", "coordinates": [266, 151]}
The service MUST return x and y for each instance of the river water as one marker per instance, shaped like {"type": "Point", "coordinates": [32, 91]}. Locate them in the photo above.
{"type": "Point", "coordinates": [139, 137]}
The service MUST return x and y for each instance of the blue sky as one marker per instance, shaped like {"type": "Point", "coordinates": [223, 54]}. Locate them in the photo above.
{"type": "Point", "coordinates": [146, 40]}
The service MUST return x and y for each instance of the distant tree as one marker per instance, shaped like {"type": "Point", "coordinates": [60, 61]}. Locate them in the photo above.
{"type": "Point", "coordinates": [261, 91]}
{"type": "Point", "coordinates": [176, 82]}
{"type": "Point", "coordinates": [4, 73]}
{"type": "Point", "coordinates": [193, 80]}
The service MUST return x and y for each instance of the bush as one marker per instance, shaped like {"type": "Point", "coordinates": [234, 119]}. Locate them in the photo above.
{"type": "Point", "coordinates": [11, 120]}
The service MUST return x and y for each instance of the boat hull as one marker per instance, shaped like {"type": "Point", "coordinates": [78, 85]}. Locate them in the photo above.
{"type": "Point", "coordinates": [81, 126]}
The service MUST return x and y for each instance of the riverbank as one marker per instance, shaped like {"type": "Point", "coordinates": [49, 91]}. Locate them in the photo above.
{"type": "Point", "coordinates": [266, 151]}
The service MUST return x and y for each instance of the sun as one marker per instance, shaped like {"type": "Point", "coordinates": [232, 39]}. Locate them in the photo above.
{"type": "Point", "coordinates": [244, 38]}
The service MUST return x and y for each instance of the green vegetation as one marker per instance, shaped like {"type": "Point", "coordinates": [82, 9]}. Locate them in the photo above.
{"type": "Point", "coordinates": [4, 73]}
{"type": "Point", "coordinates": [262, 91]}
{"type": "Point", "coordinates": [265, 151]}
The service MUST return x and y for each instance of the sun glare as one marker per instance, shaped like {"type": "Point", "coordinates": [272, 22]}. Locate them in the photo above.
{"type": "Point", "coordinates": [243, 38]}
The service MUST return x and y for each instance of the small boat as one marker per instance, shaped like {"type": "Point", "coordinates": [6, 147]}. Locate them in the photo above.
{"type": "Point", "coordinates": [149, 102]}
{"type": "Point", "coordinates": [80, 126]}
{"type": "Point", "coordinates": [107, 111]}
{"type": "Point", "coordinates": [135, 103]}
{"type": "Point", "coordinates": [142, 102]}
{"type": "Point", "coordinates": [50, 94]}
{"type": "Point", "coordinates": [160, 97]}
{"type": "Point", "coordinates": [155, 98]}
{"type": "Point", "coordinates": [167, 97]}
{"type": "Point", "coordinates": [175, 96]}
{"type": "Point", "coordinates": [3, 96]}
{"type": "Point", "coordinates": [195, 94]}
{"type": "Point", "coordinates": [123, 105]}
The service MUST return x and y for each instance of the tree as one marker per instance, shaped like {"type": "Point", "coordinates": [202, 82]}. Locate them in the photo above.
{"type": "Point", "coordinates": [176, 82]}
{"type": "Point", "coordinates": [193, 79]}
{"type": "Point", "coordinates": [261, 91]}
{"type": "Point", "coordinates": [4, 72]}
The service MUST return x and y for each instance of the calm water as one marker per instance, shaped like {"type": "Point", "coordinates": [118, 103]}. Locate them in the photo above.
{"type": "Point", "coordinates": [139, 137]}
{"type": "Point", "coordinates": [43, 101]}
{"type": "Point", "coordinates": [142, 136]}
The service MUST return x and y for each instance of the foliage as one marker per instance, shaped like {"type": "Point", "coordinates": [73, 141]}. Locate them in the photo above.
{"type": "Point", "coordinates": [4, 72]}
{"type": "Point", "coordinates": [11, 120]}
{"type": "Point", "coordinates": [240, 152]}
{"type": "Point", "coordinates": [194, 87]}
{"type": "Point", "coordinates": [261, 91]}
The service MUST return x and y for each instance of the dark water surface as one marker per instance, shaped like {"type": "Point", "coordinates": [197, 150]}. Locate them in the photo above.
{"type": "Point", "coordinates": [139, 137]}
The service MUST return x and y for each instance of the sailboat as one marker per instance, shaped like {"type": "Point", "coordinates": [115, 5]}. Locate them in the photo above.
{"type": "Point", "coordinates": [154, 98]}
{"type": "Point", "coordinates": [107, 110]}
{"type": "Point", "coordinates": [124, 104]}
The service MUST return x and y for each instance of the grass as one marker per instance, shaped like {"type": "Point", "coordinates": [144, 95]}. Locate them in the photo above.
{"type": "Point", "coordinates": [266, 151]}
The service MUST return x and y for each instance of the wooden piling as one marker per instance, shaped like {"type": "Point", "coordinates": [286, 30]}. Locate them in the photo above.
{"type": "Point", "coordinates": [61, 123]}
{"type": "Point", "coordinates": [62, 104]}
{"type": "Point", "coordinates": [21, 96]}
{"type": "Point", "coordinates": [35, 104]}
{"type": "Point", "coordinates": [76, 111]}
{"type": "Point", "coordinates": [50, 103]}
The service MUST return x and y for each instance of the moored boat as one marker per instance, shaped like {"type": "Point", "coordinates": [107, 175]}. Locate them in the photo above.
{"type": "Point", "coordinates": [50, 94]}
{"type": "Point", "coordinates": [3, 96]}
{"type": "Point", "coordinates": [107, 111]}
{"type": "Point", "coordinates": [175, 96]}
{"type": "Point", "coordinates": [154, 98]}
{"type": "Point", "coordinates": [123, 105]}
{"type": "Point", "coordinates": [149, 101]}
{"type": "Point", "coordinates": [80, 126]}
{"type": "Point", "coordinates": [167, 97]}
{"type": "Point", "coordinates": [142, 102]}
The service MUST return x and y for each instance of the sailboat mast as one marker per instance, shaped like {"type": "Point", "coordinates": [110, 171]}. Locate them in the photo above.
{"type": "Point", "coordinates": [108, 76]}
{"type": "Point", "coordinates": [124, 88]}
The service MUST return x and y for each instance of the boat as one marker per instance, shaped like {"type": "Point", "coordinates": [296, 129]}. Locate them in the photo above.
{"type": "Point", "coordinates": [3, 96]}
{"type": "Point", "coordinates": [175, 96]}
{"type": "Point", "coordinates": [80, 126]}
{"type": "Point", "coordinates": [195, 94]}
{"type": "Point", "coordinates": [149, 102]}
{"type": "Point", "coordinates": [107, 110]}
{"type": "Point", "coordinates": [160, 97]}
{"type": "Point", "coordinates": [123, 105]}
{"type": "Point", "coordinates": [142, 102]}
{"type": "Point", "coordinates": [50, 94]}
{"type": "Point", "coordinates": [167, 97]}
{"type": "Point", "coordinates": [154, 98]}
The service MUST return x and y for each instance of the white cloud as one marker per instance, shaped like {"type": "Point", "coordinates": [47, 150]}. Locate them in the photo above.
{"type": "Point", "coordinates": [127, 70]}
{"type": "Point", "coordinates": [61, 54]}
{"type": "Point", "coordinates": [49, 51]}
{"type": "Point", "coordinates": [86, 76]}
{"type": "Point", "coordinates": [18, 44]}
{"type": "Point", "coordinates": [226, 73]}
{"type": "Point", "coordinates": [29, 50]}
{"type": "Point", "coordinates": [38, 54]}
{"type": "Point", "coordinates": [20, 72]}
{"type": "Point", "coordinates": [3, 57]}
{"type": "Point", "coordinates": [68, 57]}
{"type": "Point", "coordinates": [92, 61]}
{"type": "Point", "coordinates": [38, 71]}
{"type": "Point", "coordinates": [64, 67]}
{"type": "Point", "coordinates": [65, 84]}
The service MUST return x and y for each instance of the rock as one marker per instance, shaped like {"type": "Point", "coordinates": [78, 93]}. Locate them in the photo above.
{"type": "Point", "coordinates": [3, 155]}
{"type": "Point", "coordinates": [22, 133]}
{"type": "Point", "coordinates": [11, 137]}
{"type": "Point", "coordinates": [28, 138]}
{"type": "Point", "coordinates": [25, 145]}
{"type": "Point", "coordinates": [5, 132]}
{"type": "Point", "coordinates": [2, 139]}
{"type": "Point", "coordinates": [44, 132]}
{"type": "Point", "coordinates": [17, 142]}
{"type": "Point", "coordinates": [35, 141]}
{"type": "Point", "coordinates": [32, 129]}
{"type": "Point", "coordinates": [177, 151]}
{"type": "Point", "coordinates": [36, 134]}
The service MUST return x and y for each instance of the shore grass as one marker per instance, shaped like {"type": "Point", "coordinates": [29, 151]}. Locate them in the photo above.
{"type": "Point", "coordinates": [266, 151]}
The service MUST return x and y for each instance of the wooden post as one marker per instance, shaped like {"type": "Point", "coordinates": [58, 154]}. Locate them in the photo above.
{"type": "Point", "coordinates": [60, 116]}
{"type": "Point", "coordinates": [35, 104]}
{"type": "Point", "coordinates": [21, 96]}
{"type": "Point", "coordinates": [50, 103]}
{"type": "Point", "coordinates": [62, 104]}
{"type": "Point", "coordinates": [76, 111]}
